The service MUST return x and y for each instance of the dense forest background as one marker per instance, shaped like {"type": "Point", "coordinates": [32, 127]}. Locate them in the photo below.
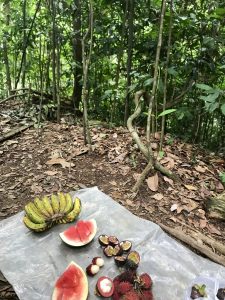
{"type": "Point", "coordinates": [91, 57]}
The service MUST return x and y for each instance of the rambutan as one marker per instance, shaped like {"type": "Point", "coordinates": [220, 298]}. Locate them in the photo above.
{"type": "Point", "coordinates": [146, 295]}
{"type": "Point", "coordinates": [146, 281]}
{"type": "Point", "coordinates": [128, 275]}
{"type": "Point", "coordinates": [116, 295]}
{"type": "Point", "coordinates": [124, 287]}
{"type": "Point", "coordinates": [131, 295]}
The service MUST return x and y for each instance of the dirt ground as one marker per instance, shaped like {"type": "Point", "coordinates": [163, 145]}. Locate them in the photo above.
{"type": "Point", "coordinates": [54, 158]}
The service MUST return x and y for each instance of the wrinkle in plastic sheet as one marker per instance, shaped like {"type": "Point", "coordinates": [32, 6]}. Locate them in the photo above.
{"type": "Point", "coordinates": [33, 262]}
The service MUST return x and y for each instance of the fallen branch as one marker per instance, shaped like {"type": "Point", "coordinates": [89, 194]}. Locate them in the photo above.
{"type": "Point", "coordinates": [196, 243]}
{"type": "Point", "coordinates": [14, 132]}
{"type": "Point", "coordinates": [14, 96]}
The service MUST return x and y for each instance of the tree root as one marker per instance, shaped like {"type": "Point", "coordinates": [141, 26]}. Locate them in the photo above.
{"type": "Point", "coordinates": [195, 240]}
{"type": "Point", "coordinates": [152, 162]}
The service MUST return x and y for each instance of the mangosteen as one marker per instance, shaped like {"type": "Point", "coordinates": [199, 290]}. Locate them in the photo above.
{"type": "Point", "coordinates": [109, 251]}
{"type": "Point", "coordinates": [103, 240]}
{"type": "Point", "coordinates": [99, 261]}
{"type": "Point", "coordinates": [92, 269]}
{"type": "Point", "coordinates": [126, 245]}
{"type": "Point", "coordinates": [198, 291]}
{"type": "Point", "coordinates": [105, 287]}
{"type": "Point", "coordinates": [133, 260]}
{"type": "Point", "coordinates": [120, 260]}
{"type": "Point", "coordinates": [113, 240]}
{"type": "Point", "coordinates": [117, 250]}
{"type": "Point", "coordinates": [221, 294]}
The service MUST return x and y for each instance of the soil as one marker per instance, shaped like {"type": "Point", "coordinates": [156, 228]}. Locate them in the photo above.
{"type": "Point", "coordinates": [54, 158]}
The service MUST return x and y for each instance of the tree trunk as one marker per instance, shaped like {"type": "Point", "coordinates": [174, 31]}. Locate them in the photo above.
{"type": "Point", "coordinates": [166, 74]}
{"type": "Point", "coordinates": [129, 57]}
{"type": "Point", "coordinates": [53, 14]}
{"type": "Point", "coordinates": [5, 48]}
{"type": "Point", "coordinates": [77, 54]}
{"type": "Point", "coordinates": [86, 58]}
{"type": "Point", "coordinates": [24, 43]}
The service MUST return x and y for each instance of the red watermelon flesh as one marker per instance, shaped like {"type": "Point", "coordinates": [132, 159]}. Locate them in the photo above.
{"type": "Point", "coordinates": [72, 284]}
{"type": "Point", "coordinates": [80, 234]}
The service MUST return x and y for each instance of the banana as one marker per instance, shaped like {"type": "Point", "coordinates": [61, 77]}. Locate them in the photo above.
{"type": "Point", "coordinates": [40, 206]}
{"type": "Point", "coordinates": [69, 204]}
{"type": "Point", "coordinates": [55, 204]}
{"type": "Point", "coordinates": [33, 213]}
{"type": "Point", "coordinates": [74, 212]}
{"type": "Point", "coordinates": [62, 202]}
{"type": "Point", "coordinates": [47, 205]}
{"type": "Point", "coordinates": [34, 226]}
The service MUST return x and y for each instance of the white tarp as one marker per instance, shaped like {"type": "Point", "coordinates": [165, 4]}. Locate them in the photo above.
{"type": "Point", "coordinates": [33, 262]}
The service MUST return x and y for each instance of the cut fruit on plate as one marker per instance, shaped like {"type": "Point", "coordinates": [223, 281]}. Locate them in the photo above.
{"type": "Point", "coordinates": [80, 234]}
{"type": "Point", "coordinates": [72, 284]}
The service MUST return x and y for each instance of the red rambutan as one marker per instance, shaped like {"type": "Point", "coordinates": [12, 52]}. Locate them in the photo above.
{"type": "Point", "coordinates": [131, 295]}
{"type": "Point", "coordinates": [146, 281]}
{"type": "Point", "coordinates": [116, 295]}
{"type": "Point", "coordinates": [129, 276]}
{"type": "Point", "coordinates": [124, 287]}
{"type": "Point", "coordinates": [146, 295]}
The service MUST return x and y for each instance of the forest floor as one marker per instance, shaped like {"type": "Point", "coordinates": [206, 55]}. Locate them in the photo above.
{"type": "Point", "coordinates": [54, 158]}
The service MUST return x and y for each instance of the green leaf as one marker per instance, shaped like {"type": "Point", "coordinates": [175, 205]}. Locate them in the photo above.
{"type": "Point", "coordinates": [203, 86]}
{"type": "Point", "coordinates": [172, 71]}
{"type": "Point", "coordinates": [148, 81]}
{"type": "Point", "coordinates": [166, 112]}
{"type": "Point", "coordinates": [211, 97]}
{"type": "Point", "coordinates": [220, 11]}
{"type": "Point", "coordinates": [223, 109]}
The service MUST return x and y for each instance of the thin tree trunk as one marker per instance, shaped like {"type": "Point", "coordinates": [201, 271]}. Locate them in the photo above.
{"type": "Point", "coordinates": [53, 13]}
{"type": "Point", "coordinates": [77, 54]}
{"type": "Point", "coordinates": [129, 57]}
{"type": "Point", "coordinates": [166, 74]}
{"type": "Point", "coordinates": [58, 82]}
{"type": "Point", "coordinates": [5, 48]}
{"type": "Point", "coordinates": [24, 43]}
{"type": "Point", "coordinates": [155, 78]}
{"type": "Point", "coordinates": [119, 59]}
{"type": "Point", "coordinates": [86, 61]}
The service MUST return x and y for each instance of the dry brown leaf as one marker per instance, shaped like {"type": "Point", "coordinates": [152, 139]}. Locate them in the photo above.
{"type": "Point", "coordinates": [157, 196]}
{"type": "Point", "coordinates": [200, 169]}
{"type": "Point", "coordinates": [166, 179]}
{"type": "Point", "coordinates": [174, 219]}
{"type": "Point", "coordinates": [136, 176]}
{"type": "Point", "coordinates": [153, 182]}
{"type": "Point", "coordinates": [202, 223]}
{"type": "Point", "coordinates": [191, 187]}
{"type": "Point", "coordinates": [37, 189]}
{"type": "Point", "coordinates": [212, 229]}
{"type": "Point", "coordinates": [51, 173]}
{"type": "Point", "coordinates": [60, 161]}
{"type": "Point", "coordinates": [174, 207]}
{"type": "Point", "coordinates": [113, 183]}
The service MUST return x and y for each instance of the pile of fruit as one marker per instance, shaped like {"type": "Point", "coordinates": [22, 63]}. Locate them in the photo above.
{"type": "Point", "coordinates": [42, 214]}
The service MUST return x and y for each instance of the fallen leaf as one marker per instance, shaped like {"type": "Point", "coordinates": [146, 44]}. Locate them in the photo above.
{"type": "Point", "coordinates": [153, 182]}
{"type": "Point", "coordinates": [157, 196]}
{"type": "Point", "coordinates": [37, 189]}
{"type": "Point", "coordinates": [166, 179]}
{"type": "Point", "coordinates": [60, 161]}
{"type": "Point", "coordinates": [51, 173]}
{"type": "Point", "coordinates": [136, 176]}
{"type": "Point", "coordinates": [174, 207]}
{"type": "Point", "coordinates": [202, 223]}
{"type": "Point", "coordinates": [200, 169]}
{"type": "Point", "coordinates": [191, 187]}
{"type": "Point", "coordinates": [11, 142]}
{"type": "Point", "coordinates": [113, 183]}
{"type": "Point", "coordinates": [212, 229]}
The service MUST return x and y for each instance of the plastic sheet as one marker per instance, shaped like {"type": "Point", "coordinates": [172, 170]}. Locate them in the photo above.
{"type": "Point", "coordinates": [33, 262]}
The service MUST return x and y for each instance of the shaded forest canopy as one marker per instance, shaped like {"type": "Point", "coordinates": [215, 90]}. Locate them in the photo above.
{"type": "Point", "coordinates": [56, 53]}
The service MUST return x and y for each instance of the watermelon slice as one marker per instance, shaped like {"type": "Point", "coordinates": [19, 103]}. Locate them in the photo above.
{"type": "Point", "coordinates": [72, 284]}
{"type": "Point", "coordinates": [80, 234]}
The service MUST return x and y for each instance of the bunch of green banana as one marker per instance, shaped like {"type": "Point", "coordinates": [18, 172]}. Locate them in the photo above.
{"type": "Point", "coordinates": [41, 214]}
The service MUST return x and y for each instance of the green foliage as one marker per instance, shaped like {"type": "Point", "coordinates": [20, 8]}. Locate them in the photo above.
{"type": "Point", "coordinates": [222, 177]}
